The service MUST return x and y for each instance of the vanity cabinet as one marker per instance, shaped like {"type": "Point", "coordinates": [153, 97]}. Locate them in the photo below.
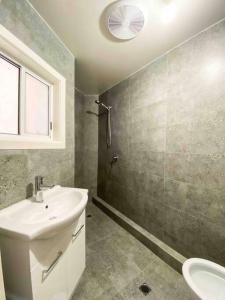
{"type": "Point", "coordinates": [44, 269]}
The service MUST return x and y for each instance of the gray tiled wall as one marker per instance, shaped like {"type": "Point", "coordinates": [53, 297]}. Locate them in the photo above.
{"type": "Point", "coordinates": [168, 127]}
{"type": "Point", "coordinates": [86, 132]}
{"type": "Point", "coordinates": [18, 167]}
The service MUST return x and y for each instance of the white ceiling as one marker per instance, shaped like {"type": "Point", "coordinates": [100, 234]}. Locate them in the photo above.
{"type": "Point", "coordinates": [103, 61]}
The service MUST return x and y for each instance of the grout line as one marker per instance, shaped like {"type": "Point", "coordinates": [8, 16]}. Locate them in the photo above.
{"type": "Point", "coordinates": [188, 153]}
{"type": "Point", "coordinates": [166, 136]}
{"type": "Point", "coordinates": [164, 54]}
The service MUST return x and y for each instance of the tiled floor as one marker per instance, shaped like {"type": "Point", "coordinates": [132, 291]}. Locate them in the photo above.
{"type": "Point", "coordinates": [117, 264]}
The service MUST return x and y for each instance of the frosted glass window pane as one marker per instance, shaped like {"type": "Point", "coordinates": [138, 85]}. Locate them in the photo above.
{"type": "Point", "coordinates": [9, 96]}
{"type": "Point", "coordinates": [36, 106]}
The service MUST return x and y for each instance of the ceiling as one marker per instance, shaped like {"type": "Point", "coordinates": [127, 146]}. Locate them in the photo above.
{"type": "Point", "coordinates": [103, 61]}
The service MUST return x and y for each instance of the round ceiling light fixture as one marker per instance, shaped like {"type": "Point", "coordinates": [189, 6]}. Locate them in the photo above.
{"type": "Point", "coordinates": [125, 19]}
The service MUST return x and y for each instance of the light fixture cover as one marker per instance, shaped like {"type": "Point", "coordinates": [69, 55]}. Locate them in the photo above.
{"type": "Point", "coordinates": [125, 20]}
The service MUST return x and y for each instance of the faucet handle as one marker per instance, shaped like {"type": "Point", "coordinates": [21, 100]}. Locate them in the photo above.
{"type": "Point", "coordinates": [39, 178]}
{"type": "Point", "coordinates": [114, 159]}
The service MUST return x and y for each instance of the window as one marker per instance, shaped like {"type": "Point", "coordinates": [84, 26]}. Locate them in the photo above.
{"type": "Point", "coordinates": [32, 98]}
{"type": "Point", "coordinates": [37, 106]}
{"type": "Point", "coordinates": [25, 101]}
{"type": "Point", "coordinates": [9, 96]}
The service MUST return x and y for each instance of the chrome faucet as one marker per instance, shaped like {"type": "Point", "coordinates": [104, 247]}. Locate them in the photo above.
{"type": "Point", "coordinates": [38, 183]}
{"type": "Point", "coordinates": [39, 186]}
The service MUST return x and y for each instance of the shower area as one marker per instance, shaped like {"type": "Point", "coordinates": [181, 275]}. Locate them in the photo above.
{"type": "Point", "coordinates": [162, 123]}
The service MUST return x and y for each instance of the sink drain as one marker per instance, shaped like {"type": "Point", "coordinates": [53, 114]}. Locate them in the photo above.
{"type": "Point", "coordinates": [145, 289]}
{"type": "Point", "coordinates": [89, 216]}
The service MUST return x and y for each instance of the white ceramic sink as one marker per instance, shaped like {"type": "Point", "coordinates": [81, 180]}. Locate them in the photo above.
{"type": "Point", "coordinates": [205, 278]}
{"type": "Point", "coordinates": [29, 220]}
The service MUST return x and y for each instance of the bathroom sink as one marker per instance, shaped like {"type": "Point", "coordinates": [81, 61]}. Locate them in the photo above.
{"type": "Point", "coordinates": [29, 220]}
{"type": "Point", "coordinates": [205, 278]}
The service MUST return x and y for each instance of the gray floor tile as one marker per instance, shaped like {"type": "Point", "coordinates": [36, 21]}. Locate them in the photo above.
{"type": "Point", "coordinates": [110, 294]}
{"type": "Point", "coordinates": [182, 291]}
{"type": "Point", "coordinates": [98, 225]}
{"type": "Point", "coordinates": [117, 264]}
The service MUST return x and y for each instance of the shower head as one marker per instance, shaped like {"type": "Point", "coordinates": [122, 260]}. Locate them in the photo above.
{"type": "Point", "coordinates": [102, 104]}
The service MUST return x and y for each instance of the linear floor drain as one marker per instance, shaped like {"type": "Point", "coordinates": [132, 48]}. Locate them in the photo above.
{"type": "Point", "coordinates": [145, 289]}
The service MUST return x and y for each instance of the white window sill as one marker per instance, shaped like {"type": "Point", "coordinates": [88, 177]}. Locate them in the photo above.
{"type": "Point", "coordinates": [23, 142]}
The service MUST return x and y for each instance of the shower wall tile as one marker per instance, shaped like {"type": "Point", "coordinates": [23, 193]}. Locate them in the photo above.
{"type": "Point", "coordinates": [149, 85]}
{"type": "Point", "coordinates": [168, 124]}
{"type": "Point", "coordinates": [153, 115]}
{"type": "Point", "coordinates": [155, 217]}
{"type": "Point", "coordinates": [143, 159]}
{"type": "Point", "coordinates": [195, 200]}
{"type": "Point", "coordinates": [136, 199]}
{"type": "Point", "coordinates": [180, 107]}
{"type": "Point", "coordinates": [184, 231]}
{"type": "Point", "coordinates": [153, 139]}
{"type": "Point", "coordinates": [19, 167]}
{"type": "Point", "coordinates": [202, 170]}
{"type": "Point", "coordinates": [118, 96]}
{"type": "Point", "coordinates": [211, 240]}
{"type": "Point", "coordinates": [179, 138]}
{"type": "Point", "coordinates": [212, 132]}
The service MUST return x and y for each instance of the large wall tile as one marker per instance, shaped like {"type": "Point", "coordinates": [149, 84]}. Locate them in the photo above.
{"type": "Point", "coordinates": [153, 115]}
{"type": "Point", "coordinates": [204, 170]}
{"type": "Point", "coordinates": [13, 178]}
{"type": "Point", "coordinates": [143, 159]}
{"type": "Point", "coordinates": [195, 200]}
{"type": "Point", "coordinates": [149, 85]}
{"type": "Point", "coordinates": [179, 138]}
{"type": "Point", "coordinates": [168, 128]}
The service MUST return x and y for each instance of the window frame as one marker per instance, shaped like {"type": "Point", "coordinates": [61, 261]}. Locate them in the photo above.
{"type": "Point", "coordinates": [22, 100]}
{"type": "Point", "coordinates": [18, 53]}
